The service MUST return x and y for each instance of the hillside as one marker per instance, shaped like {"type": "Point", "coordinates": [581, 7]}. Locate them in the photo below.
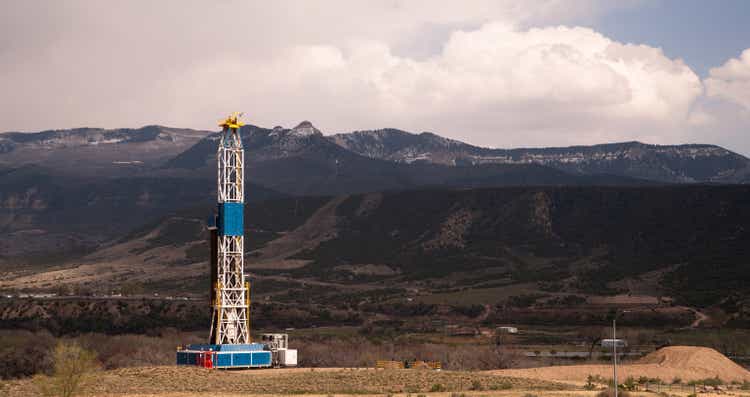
{"type": "Point", "coordinates": [556, 249]}
{"type": "Point", "coordinates": [79, 193]}
{"type": "Point", "coordinates": [66, 215]}
{"type": "Point", "coordinates": [72, 190]}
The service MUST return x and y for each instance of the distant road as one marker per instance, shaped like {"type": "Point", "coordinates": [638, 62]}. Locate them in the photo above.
{"type": "Point", "coordinates": [107, 297]}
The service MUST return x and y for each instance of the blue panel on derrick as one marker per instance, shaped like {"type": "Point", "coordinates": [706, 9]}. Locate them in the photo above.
{"type": "Point", "coordinates": [231, 219]}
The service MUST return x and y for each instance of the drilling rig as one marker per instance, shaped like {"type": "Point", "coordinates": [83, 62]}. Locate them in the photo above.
{"type": "Point", "coordinates": [230, 344]}
{"type": "Point", "coordinates": [231, 293]}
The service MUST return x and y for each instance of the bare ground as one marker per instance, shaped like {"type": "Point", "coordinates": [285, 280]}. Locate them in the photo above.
{"type": "Point", "coordinates": [193, 380]}
{"type": "Point", "coordinates": [685, 362]}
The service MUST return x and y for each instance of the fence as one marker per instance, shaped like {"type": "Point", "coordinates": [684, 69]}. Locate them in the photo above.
{"type": "Point", "coordinates": [383, 364]}
{"type": "Point", "coordinates": [688, 388]}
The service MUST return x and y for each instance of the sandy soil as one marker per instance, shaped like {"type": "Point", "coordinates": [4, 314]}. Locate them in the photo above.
{"type": "Point", "coordinates": [685, 362]}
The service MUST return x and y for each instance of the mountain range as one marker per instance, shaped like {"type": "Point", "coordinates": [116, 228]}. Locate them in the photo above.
{"type": "Point", "coordinates": [73, 190]}
{"type": "Point", "coordinates": [664, 164]}
{"type": "Point", "coordinates": [381, 210]}
{"type": "Point", "coordinates": [157, 150]}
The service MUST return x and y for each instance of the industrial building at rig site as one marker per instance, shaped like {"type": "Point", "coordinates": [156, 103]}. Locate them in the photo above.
{"type": "Point", "coordinates": [230, 343]}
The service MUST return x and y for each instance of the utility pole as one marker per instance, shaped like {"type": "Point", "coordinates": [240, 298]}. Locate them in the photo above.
{"type": "Point", "coordinates": [614, 350]}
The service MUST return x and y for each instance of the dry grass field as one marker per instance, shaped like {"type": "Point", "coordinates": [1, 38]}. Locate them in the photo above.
{"type": "Point", "coordinates": [687, 363]}
{"type": "Point", "coordinates": [319, 381]}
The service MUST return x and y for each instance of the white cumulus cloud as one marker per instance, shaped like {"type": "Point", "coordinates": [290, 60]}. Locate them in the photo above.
{"type": "Point", "coordinates": [496, 85]}
{"type": "Point", "coordinates": [490, 72]}
{"type": "Point", "coordinates": [731, 81]}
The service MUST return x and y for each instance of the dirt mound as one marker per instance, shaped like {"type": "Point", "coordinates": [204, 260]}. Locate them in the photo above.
{"type": "Point", "coordinates": [693, 358]}
{"type": "Point", "coordinates": [684, 362]}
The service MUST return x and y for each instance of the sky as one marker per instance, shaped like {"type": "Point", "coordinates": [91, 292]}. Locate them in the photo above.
{"type": "Point", "coordinates": [493, 73]}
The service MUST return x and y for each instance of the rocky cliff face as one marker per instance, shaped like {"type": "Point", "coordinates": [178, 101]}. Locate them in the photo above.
{"type": "Point", "coordinates": [673, 164]}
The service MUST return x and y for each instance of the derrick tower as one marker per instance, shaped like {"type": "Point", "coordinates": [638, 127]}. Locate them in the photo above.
{"type": "Point", "coordinates": [230, 296]}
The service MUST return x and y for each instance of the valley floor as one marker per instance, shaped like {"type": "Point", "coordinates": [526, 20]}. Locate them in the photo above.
{"type": "Point", "coordinates": [680, 362]}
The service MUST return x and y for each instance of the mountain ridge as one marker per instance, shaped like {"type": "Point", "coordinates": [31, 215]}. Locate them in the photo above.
{"type": "Point", "coordinates": [662, 163]}
{"type": "Point", "coordinates": [193, 149]}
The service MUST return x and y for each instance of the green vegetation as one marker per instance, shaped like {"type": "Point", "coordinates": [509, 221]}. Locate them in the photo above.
{"type": "Point", "coordinates": [501, 386]}
{"type": "Point", "coordinates": [590, 383]}
{"type": "Point", "coordinates": [642, 380]}
{"type": "Point", "coordinates": [437, 387]}
{"type": "Point", "coordinates": [73, 366]}
{"type": "Point", "coordinates": [707, 382]}
{"type": "Point", "coordinates": [611, 393]}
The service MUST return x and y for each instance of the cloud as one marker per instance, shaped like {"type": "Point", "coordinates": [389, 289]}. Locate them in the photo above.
{"type": "Point", "coordinates": [493, 85]}
{"type": "Point", "coordinates": [482, 71]}
{"type": "Point", "coordinates": [731, 81]}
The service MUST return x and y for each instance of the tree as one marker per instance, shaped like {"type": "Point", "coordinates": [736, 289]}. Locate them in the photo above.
{"type": "Point", "coordinates": [592, 336]}
{"type": "Point", "coordinates": [73, 366]}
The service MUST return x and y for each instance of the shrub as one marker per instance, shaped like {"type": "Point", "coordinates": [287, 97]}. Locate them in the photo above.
{"type": "Point", "coordinates": [25, 353]}
{"type": "Point", "coordinates": [73, 366]}
{"type": "Point", "coordinates": [590, 383]}
{"type": "Point", "coordinates": [629, 383]}
{"type": "Point", "coordinates": [713, 381]}
{"type": "Point", "coordinates": [502, 386]}
{"type": "Point", "coordinates": [437, 387]}
{"type": "Point", "coordinates": [476, 385]}
{"type": "Point", "coordinates": [611, 393]}
{"type": "Point", "coordinates": [676, 380]}
{"type": "Point", "coordinates": [707, 382]}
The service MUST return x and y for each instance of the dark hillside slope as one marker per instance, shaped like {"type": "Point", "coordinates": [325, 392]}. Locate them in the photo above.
{"type": "Point", "coordinates": [583, 237]}
{"type": "Point", "coordinates": [689, 242]}
{"type": "Point", "coordinates": [66, 215]}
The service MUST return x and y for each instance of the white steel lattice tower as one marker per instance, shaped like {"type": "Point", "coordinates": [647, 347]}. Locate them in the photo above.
{"type": "Point", "coordinates": [231, 304]}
